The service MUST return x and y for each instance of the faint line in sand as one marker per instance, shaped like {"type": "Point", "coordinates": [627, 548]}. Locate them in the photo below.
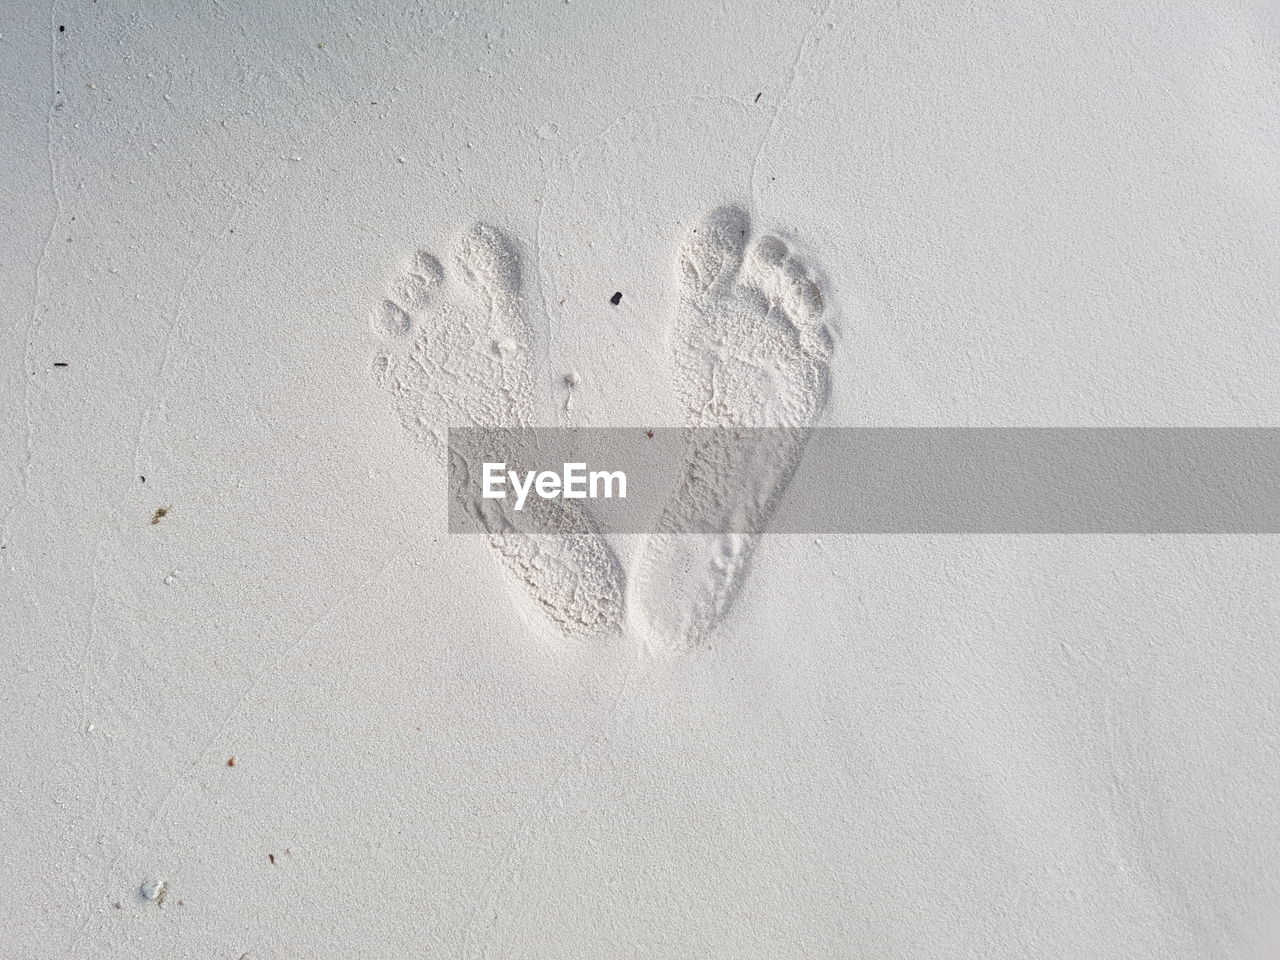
{"type": "Point", "coordinates": [29, 328]}
{"type": "Point", "coordinates": [808, 38]}
{"type": "Point", "coordinates": [493, 890]}
{"type": "Point", "coordinates": [252, 687]}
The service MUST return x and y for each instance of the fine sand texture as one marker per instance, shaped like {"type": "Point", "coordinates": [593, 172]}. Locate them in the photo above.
{"type": "Point", "coordinates": [256, 701]}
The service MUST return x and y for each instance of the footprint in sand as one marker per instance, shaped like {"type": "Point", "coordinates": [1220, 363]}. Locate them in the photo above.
{"type": "Point", "coordinates": [457, 350]}
{"type": "Point", "coordinates": [750, 351]}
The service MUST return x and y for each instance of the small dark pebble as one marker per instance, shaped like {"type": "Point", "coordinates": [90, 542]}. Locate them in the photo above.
{"type": "Point", "coordinates": [272, 858]}
{"type": "Point", "coordinates": [59, 364]}
{"type": "Point", "coordinates": [62, 28]}
{"type": "Point", "coordinates": [616, 298]}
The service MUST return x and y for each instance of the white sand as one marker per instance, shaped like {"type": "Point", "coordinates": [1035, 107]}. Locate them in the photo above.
{"type": "Point", "coordinates": [917, 747]}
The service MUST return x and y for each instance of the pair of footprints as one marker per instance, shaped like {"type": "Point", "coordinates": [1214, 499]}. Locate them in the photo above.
{"type": "Point", "coordinates": [749, 350]}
